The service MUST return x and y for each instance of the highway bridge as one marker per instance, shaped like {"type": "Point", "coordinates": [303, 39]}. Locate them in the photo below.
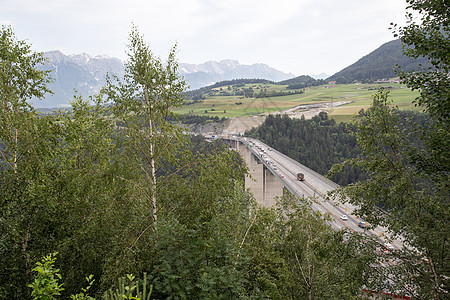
{"type": "Point", "coordinates": [314, 186]}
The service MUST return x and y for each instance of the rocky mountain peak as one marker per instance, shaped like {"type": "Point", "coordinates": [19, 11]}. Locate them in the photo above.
{"type": "Point", "coordinates": [87, 73]}
{"type": "Point", "coordinates": [80, 59]}
{"type": "Point", "coordinates": [55, 56]}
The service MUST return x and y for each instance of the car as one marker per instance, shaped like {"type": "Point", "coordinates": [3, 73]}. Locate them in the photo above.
{"type": "Point", "coordinates": [275, 168]}
{"type": "Point", "coordinates": [388, 247]}
{"type": "Point", "coordinates": [281, 175]}
{"type": "Point", "coordinates": [362, 225]}
{"type": "Point", "coordinates": [343, 217]}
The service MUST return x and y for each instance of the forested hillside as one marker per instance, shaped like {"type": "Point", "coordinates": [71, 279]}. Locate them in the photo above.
{"type": "Point", "coordinates": [379, 64]}
{"type": "Point", "coordinates": [318, 143]}
{"type": "Point", "coordinates": [201, 92]}
{"type": "Point", "coordinates": [297, 83]}
{"type": "Point", "coordinates": [301, 82]}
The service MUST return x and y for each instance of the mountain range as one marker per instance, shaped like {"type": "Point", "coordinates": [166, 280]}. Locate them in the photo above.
{"type": "Point", "coordinates": [86, 74]}
{"type": "Point", "coordinates": [81, 73]}
{"type": "Point", "coordinates": [212, 71]}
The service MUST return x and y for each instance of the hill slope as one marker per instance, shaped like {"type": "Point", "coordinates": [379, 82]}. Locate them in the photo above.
{"type": "Point", "coordinates": [378, 64]}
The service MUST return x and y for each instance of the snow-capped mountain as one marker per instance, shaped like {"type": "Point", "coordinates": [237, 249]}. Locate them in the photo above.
{"type": "Point", "coordinates": [81, 73]}
{"type": "Point", "coordinates": [212, 71]}
{"type": "Point", "coordinates": [99, 65]}
{"type": "Point", "coordinates": [86, 74]}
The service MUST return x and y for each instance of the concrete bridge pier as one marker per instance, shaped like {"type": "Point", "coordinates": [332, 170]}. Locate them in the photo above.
{"type": "Point", "coordinates": [264, 185]}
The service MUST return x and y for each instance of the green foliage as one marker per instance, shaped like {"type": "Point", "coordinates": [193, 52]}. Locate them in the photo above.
{"type": "Point", "coordinates": [83, 295]}
{"type": "Point", "coordinates": [293, 254]}
{"type": "Point", "coordinates": [128, 288]}
{"type": "Point", "coordinates": [199, 93]}
{"type": "Point", "coordinates": [24, 143]}
{"type": "Point", "coordinates": [85, 183]}
{"type": "Point", "coordinates": [266, 94]}
{"type": "Point", "coordinates": [427, 35]}
{"type": "Point", "coordinates": [195, 263]}
{"type": "Point", "coordinates": [143, 103]}
{"type": "Point", "coordinates": [303, 79]}
{"type": "Point", "coordinates": [21, 80]}
{"type": "Point", "coordinates": [429, 39]}
{"type": "Point", "coordinates": [403, 196]}
{"type": "Point", "coordinates": [45, 285]}
{"type": "Point", "coordinates": [193, 119]}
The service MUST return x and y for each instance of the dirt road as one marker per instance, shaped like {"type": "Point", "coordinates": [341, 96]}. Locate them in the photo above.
{"type": "Point", "coordinates": [241, 124]}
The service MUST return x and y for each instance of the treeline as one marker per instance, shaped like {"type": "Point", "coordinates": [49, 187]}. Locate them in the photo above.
{"type": "Point", "coordinates": [298, 83]}
{"type": "Point", "coordinates": [301, 82]}
{"type": "Point", "coordinates": [198, 94]}
{"type": "Point", "coordinates": [266, 94]}
{"type": "Point", "coordinates": [195, 119]}
{"type": "Point", "coordinates": [295, 86]}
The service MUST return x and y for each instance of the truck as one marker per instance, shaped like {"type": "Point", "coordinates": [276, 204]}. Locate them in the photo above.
{"type": "Point", "coordinates": [301, 177]}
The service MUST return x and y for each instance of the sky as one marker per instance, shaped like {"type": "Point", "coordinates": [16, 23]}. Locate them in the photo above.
{"type": "Point", "coordinates": [303, 37]}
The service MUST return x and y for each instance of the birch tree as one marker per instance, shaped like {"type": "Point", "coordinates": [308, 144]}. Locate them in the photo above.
{"type": "Point", "coordinates": [20, 80]}
{"type": "Point", "coordinates": [142, 103]}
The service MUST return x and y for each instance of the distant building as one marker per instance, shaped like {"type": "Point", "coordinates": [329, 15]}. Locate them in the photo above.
{"type": "Point", "coordinates": [388, 81]}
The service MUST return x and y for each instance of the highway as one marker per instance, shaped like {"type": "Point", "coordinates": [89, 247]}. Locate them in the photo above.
{"type": "Point", "coordinates": [314, 186]}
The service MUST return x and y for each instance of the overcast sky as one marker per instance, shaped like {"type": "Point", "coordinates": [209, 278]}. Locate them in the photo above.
{"type": "Point", "coordinates": [298, 36]}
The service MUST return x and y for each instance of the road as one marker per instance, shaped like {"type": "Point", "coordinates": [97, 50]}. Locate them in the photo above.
{"type": "Point", "coordinates": [315, 186]}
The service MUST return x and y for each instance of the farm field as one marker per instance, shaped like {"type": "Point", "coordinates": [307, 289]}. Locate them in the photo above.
{"type": "Point", "coordinates": [359, 96]}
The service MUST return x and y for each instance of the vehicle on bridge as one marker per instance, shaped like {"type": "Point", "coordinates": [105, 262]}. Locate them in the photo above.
{"type": "Point", "coordinates": [362, 225]}
{"type": "Point", "coordinates": [300, 177]}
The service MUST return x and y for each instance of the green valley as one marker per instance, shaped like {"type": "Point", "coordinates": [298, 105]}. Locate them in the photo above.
{"type": "Point", "coordinates": [229, 101]}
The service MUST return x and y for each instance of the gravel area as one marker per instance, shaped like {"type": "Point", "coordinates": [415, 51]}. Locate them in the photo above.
{"type": "Point", "coordinates": [240, 125]}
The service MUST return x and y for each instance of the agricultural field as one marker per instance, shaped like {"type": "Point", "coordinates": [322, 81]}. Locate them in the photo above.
{"type": "Point", "coordinates": [223, 101]}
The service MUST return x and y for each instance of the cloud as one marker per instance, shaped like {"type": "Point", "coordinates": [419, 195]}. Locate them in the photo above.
{"type": "Point", "coordinates": [300, 36]}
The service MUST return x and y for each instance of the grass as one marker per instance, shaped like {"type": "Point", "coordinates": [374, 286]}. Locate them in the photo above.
{"type": "Point", "coordinates": [360, 96]}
